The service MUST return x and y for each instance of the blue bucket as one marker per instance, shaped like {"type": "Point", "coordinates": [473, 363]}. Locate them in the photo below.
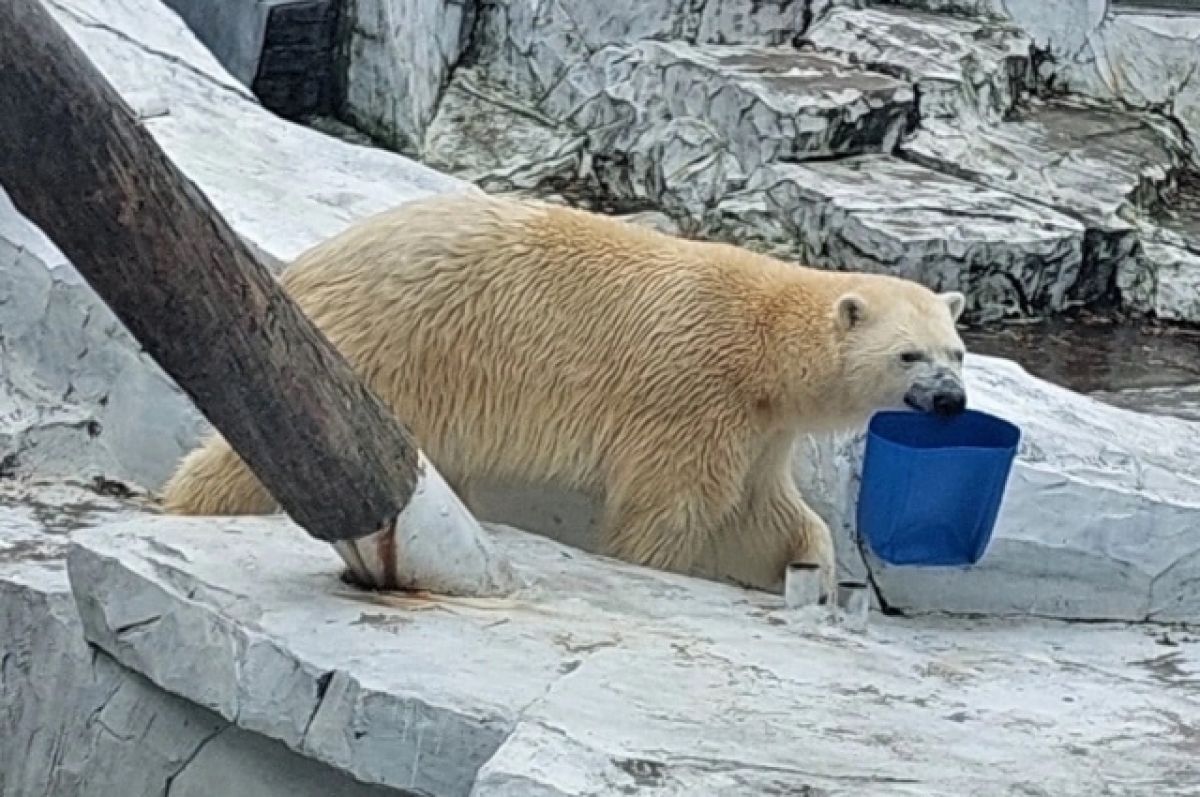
{"type": "Point", "coordinates": [932, 486]}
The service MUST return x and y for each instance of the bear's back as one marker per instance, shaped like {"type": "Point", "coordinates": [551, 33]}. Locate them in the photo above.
{"type": "Point", "coordinates": [531, 326]}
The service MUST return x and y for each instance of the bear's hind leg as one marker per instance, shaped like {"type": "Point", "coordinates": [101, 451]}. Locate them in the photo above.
{"type": "Point", "coordinates": [213, 480]}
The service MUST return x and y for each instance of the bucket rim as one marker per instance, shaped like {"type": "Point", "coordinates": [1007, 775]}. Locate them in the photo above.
{"type": "Point", "coordinates": [1004, 424]}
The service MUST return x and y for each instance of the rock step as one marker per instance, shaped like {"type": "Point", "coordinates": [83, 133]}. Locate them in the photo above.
{"type": "Point", "coordinates": [964, 69]}
{"type": "Point", "coordinates": [530, 46]}
{"type": "Point", "coordinates": [883, 214]}
{"type": "Point", "coordinates": [762, 104]}
{"type": "Point", "coordinates": [1102, 167]}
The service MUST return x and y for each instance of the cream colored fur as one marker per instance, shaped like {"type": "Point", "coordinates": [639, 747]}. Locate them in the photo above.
{"type": "Point", "coordinates": [541, 344]}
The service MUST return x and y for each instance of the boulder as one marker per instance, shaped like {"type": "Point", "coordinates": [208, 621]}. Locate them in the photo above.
{"type": "Point", "coordinates": [1100, 166]}
{"type": "Point", "coordinates": [397, 57]}
{"type": "Point", "coordinates": [530, 46]}
{"type": "Point", "coordinates": [764, 103]}
{"type": "Point", "coordinates": [74, 723]}
{"type": "Point", "coordinates": [882, 214]}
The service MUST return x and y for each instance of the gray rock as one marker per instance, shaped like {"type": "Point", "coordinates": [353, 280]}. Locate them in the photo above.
{"type": "Point", "coordinates": [1098, 166]}
{"type": "Point", "coordinates": [681, 165]}
{"type": "Point", "coordinates": [878, 213]}
{"type": "Point", "coordinates": [965, 69]}
{"type": "Point", "coordinates": [1145, 60]}
{"type": "Point", "coordinates": [397, 60]}
{"type": "Point", "coordinates": [79, 399]}
{"type": "Point", "coordinates": [74, 723]}
{"type": "Point", "coordinates": [489, 136]}
{"type": "Point", "coordinates": [1175, 292]}
{"type": "Point", "coordinates": [1167, 282]}
{"type": "Point", "coordinates": [588, 683]}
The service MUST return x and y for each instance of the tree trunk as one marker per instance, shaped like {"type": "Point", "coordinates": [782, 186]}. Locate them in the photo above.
{"type": "Point", "coordinates": [77, 163]}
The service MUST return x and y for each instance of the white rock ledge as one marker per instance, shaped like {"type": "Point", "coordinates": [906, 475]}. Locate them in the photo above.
{"type": "Point", "coordinates": [602, 678]}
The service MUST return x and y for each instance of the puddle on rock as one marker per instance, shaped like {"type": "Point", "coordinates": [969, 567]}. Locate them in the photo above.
{"type": "Point", "coordinates": [1148, 368]}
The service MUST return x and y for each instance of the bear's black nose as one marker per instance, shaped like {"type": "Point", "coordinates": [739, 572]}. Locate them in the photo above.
{"type": "Point", "coordinates": [950, 403]}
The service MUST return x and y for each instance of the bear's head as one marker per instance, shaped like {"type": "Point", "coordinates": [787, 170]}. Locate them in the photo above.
{"type": "Point", "coordinates": [900, 348]}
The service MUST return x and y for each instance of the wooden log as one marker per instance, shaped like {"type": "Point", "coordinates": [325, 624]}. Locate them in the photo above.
{"type": "Point", "coordinates": [76, 162]}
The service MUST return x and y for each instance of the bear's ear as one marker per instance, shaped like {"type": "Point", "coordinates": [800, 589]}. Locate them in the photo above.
{"type": "Point", "coordinates": [955, 302]}
{"type": "Point", "coordinates": [850, 310]}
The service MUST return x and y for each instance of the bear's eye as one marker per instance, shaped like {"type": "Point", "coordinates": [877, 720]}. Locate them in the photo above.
{"type": "Point", "coordinates": [910, 357]}
{"type": "Point", "coordinates": [958, 355]}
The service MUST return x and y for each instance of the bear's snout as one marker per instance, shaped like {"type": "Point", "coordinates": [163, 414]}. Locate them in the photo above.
{"type": "Point", "coordinates": [943, 396]}
{"type": "Point", "coordinates": [950, 402]}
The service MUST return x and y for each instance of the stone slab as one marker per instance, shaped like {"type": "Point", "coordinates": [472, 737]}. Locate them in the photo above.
{"type": "Point", "coordinates": [78, 399]}
{"type": "Point", "coordinates": [965, 70]}
{"type": "Point", "coordinates": [530, 46]}
{"type": "Point", "coordinates": [606, 679]}
{"type": "Point", "coordinates": [73, 722]}
{"type": "Point", "coordinates": [1144, 59]}
{"type": "Point", "coordinates": [763, 103]}
{"type": "Point", "coordinates": [882, 214]}
{"type": "Point", "coordinates": [1096, 164]}
{"type": "Point", "coordinates": [1100, 166]}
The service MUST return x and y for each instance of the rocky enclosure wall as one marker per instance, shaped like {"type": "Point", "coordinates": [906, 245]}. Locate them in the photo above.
{"type": "Point", "coordinates": [842, 134]}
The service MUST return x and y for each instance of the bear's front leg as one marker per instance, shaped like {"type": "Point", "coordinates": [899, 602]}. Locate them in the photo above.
{"type": "Point", "coordinates": [772, 527]}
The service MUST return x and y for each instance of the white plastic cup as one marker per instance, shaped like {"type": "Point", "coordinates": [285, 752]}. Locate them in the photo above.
{"type": "Point", "coordinates": [802, 585]}
{"type": "Point", "coordinates": [854, 605]}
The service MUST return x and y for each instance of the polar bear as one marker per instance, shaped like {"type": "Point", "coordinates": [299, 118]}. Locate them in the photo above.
{"type": "Point", "coordinates": [529, 343]}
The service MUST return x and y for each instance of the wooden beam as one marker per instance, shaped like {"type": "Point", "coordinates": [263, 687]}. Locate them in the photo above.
{"type": "Point", "coordinates": [78, 164]}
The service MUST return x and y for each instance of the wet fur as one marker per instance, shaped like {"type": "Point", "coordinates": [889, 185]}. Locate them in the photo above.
{"type": "Point", "coordinates": [540, 344]}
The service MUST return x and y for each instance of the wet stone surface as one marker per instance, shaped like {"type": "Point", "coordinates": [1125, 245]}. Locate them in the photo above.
{"type": "Point", "coordinates": [1144, 367]}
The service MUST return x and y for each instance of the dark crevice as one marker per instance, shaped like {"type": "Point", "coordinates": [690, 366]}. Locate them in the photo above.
{"type": "Point", "coordinates": [136, 625]}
